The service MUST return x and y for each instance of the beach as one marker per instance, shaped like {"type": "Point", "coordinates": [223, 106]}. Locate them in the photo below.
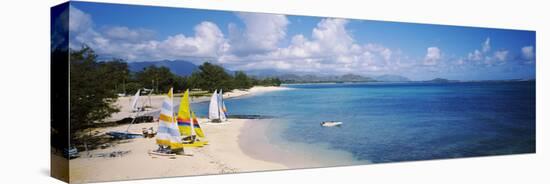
{"type": "Point", "coordinates": [155, 101]}
{"type": "Point", "coordinates": [381, 124]}
{"type": "Point", "coordinates": [223, 154]}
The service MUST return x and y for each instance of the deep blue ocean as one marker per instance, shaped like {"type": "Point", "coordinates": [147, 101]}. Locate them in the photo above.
{"type": "Point", "coordinates": [389, 122]}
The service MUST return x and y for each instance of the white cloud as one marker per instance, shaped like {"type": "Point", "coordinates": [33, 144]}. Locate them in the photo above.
{"type": "Point", "coordinates": [486, 46]}
{"type": "Point", "coordinates": [501, 55]}
{"type": "Point", "coordinates": [528, 53]}
{"type": "Point", "coordinates": [433, 55]}
{"type": "Point", "coordinates": [479, 55]}
{"type": "Point", "coordinates": [329, 49]}
{"type": "Point", "coordinates": [79, 21]}
{"type": "Point", "coordinates": [208, 41]}
{"type": "Point", "coordinates": [485, 57]}
{"type": "Point", "coordinates": [460, 62]}
{"type": "Point", "coordinates": [332, 35]}
{"type": "Point", "coordinates": [262, 33]}
{"type": "Point", "coordinates": [475, 56]}
{"type": "Point", "coordinates": [139, 44]}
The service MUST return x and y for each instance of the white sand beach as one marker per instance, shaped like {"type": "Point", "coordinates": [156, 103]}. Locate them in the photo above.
{"type": "Point", "coordinates": [223, 154]}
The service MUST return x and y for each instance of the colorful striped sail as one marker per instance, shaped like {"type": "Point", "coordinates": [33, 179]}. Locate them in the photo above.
{"type": "Point", "coordinates": [197, 126]}
{"type": "Point", "coordinates": [184, 118]}
{"type": "Point", "coordinates": [168, 133]}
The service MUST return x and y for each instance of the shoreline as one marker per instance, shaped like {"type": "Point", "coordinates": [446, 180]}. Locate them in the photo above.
{"type": "Point", "coordinates": [239, 145]}
{"type": "Point", "coordinates": [264, 139]}
{"type": "Point", "coordinates": [235, 146]}
{"type": "Point", "coordinates": [155, 101]}
{"type": "Point", "coordinates": [224, 154]}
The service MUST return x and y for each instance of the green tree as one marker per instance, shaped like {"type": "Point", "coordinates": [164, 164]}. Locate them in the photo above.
{"type": "Point", "coordinates": [180, 83]}
{"type": "Point", "coordinates": [242, 81]}
{"type": "Point", "coordinates": [158, 78]}
{"type": "Point", "coordinates": [92, 90]}
{"type": "Point", "coordinates": [117, 72]}
{"type": "Point", "coordinates": [270, 81]}
{"type": "Point", "coordinates": [132, 87]}
{"type": "Point", "coordinates": [211, 77]}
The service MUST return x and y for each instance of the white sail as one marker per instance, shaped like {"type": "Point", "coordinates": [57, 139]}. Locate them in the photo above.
{"type": "Point", "coordinates": [214, 110]}
{"type": "Point", "coordinates": [135, 101]}
{"type": "Point", "coordinates": [220, 106]}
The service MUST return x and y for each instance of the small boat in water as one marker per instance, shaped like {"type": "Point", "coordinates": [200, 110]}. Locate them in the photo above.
{"type": "Point", "coordinates": [331, 123]}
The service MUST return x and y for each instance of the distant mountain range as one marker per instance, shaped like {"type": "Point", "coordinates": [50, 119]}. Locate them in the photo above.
{"type": "Point", "coordinates": [391, 78]}
{"type": "Point", "coordinates": [293, 78]}
{"type": "Point", "coordinates": [441, 80]}
{"type": "Point", "coordinates": [186, 68]}
{"type": "Point", "coordinates": [179, 67]}
{"type": "Point", "coordinates": [311, 78]}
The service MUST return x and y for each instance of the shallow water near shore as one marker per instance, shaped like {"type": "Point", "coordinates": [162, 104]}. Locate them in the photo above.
{"type": "Point", "coordinates": [390, 122]}
{"type": "Point", "coordinates": [265, 140]}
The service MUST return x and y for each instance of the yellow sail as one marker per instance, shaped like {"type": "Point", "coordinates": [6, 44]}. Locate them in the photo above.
{"type": "Point", "coordinates": [197, 126]}
{"type": "Point", "coordinates": [184, 118]}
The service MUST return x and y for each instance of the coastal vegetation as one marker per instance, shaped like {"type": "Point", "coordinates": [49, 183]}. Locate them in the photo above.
{"type": "Point", "coordinates": [92, 88]}
{"type": "Point", "coordinates": [95, 84]}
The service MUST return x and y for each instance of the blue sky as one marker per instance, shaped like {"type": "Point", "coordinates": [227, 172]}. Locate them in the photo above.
{"type": "Point", "coordinates": [301, 44]}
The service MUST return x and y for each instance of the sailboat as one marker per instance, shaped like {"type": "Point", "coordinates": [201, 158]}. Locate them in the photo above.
{"type": "Point", "coordinates": [126, 134]}
{"type": "Point", "coordinates": [223, 110]}
{"type": "Point", "coordinates": [217, 109]}
{"type": "Point", "coordinates": [168, 135]}
{"type": "Point", "coordinates": [135, 99]}
{"type": "Point", "coordinates": [188, 124]}
{"type": "Point", "coordinates": [214, 108]}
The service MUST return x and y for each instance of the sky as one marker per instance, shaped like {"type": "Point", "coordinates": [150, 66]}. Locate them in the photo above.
{"type": "Point", "coordinates": [301, 44]}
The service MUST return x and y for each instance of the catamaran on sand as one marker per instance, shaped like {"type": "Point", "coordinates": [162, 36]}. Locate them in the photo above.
{"type": "Point", "coordinates": [137, 110]}
{"type": "Point", "coordinates": [176, 133]}
{"type": "Point", "coordinates": [217, 112]}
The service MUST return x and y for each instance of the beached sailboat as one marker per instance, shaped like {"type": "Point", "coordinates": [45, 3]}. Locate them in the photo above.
{"type": "Point", "coordinates": [188, 124]}
{"type": "Point", "coordinates": [168, 135]}
{"type": "Point", "coordinates": [217, 110]}
{"type": "Point", "coordinates": [135, 99]}
{"type": "Point", "coordinates": [221, 106]}
{"type": "Point", "coordinates": [214, 108]}
{"type": "Point", "coordinates": [136, 109]}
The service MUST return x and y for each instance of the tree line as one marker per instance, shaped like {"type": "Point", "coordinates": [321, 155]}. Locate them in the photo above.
{"type": "Point", "coordinates": [95, 85]}
{"type": "Point", "coordinates": [208, 77]}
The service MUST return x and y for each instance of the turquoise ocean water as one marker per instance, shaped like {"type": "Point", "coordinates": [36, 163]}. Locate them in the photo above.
{"type": "Point", "coordinates": [389, 122]}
